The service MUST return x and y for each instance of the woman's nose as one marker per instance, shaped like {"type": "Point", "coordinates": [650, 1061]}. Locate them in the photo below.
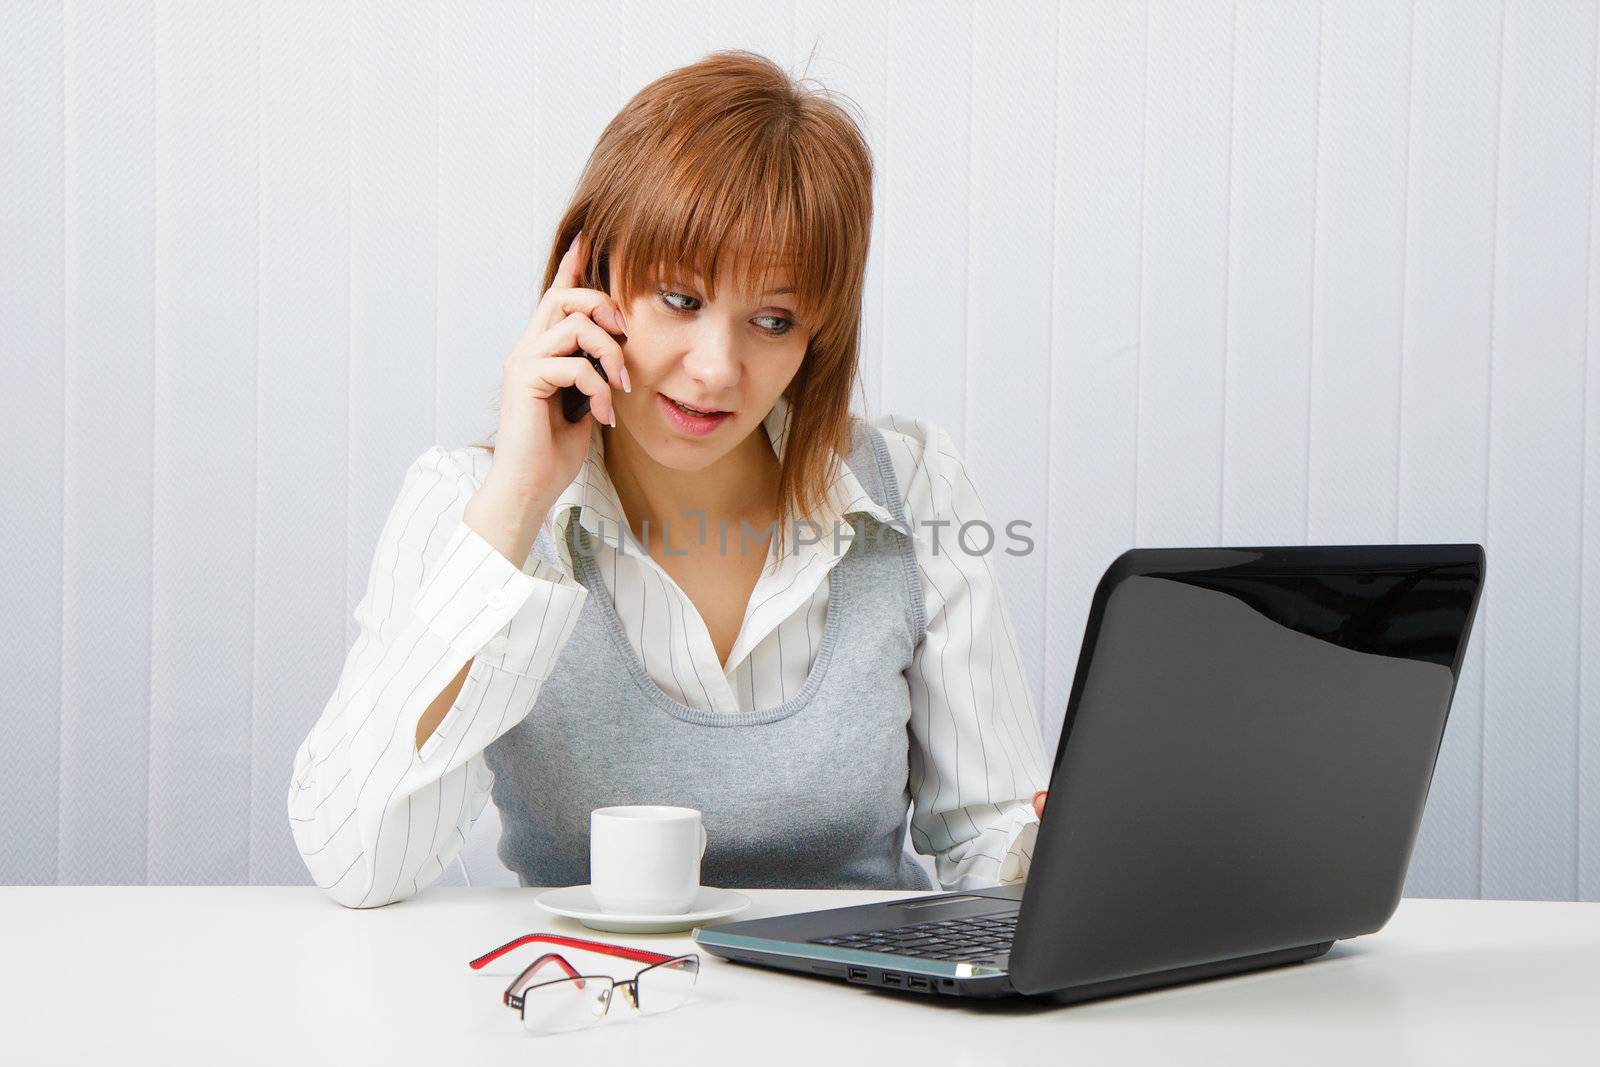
{"type": "Point", "coordinates": [713, 362]}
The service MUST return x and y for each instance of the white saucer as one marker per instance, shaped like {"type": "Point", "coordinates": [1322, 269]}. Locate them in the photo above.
{"type": "Point", "coordinates": [577, 902]}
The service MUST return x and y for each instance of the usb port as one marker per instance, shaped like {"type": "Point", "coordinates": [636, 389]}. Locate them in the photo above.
{"type": "Point", "coordinates": [890, 979]}
{"type": "Point", "coordinates": [858, 974]}
{"type": "Point", "coordinates": [916, 982]}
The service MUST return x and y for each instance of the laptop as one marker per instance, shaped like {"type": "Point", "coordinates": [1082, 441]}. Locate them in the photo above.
{"type": "Point", "coordinates": [1247, 747]}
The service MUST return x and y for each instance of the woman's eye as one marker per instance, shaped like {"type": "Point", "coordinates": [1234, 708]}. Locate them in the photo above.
{"type": "Point", "coordinates": [667, 296]}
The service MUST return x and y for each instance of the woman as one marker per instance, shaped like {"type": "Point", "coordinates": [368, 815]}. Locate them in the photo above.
{"type": "Point", "coordinates": [579, 615]}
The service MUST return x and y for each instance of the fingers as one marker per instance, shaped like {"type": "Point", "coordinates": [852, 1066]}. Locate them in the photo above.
{"type": "Point", "coordinates": [599, 307]}
{"type": "Point", "coordinates": [570, 297]}
{"type": "Point", "coordinates": [565, 297]}
{"type": "Point", "coordinates": [579, 331]}
{"type": "Point", "coordinates": [572, 369]}
{"type": "Point", "coordinates": [571, 260]}
{"type": "Point", "coordinates": [588, 379]}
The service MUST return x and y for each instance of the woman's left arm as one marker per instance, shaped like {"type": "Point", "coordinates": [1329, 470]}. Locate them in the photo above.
{"type": "Point", "coordinates": [977, 755]}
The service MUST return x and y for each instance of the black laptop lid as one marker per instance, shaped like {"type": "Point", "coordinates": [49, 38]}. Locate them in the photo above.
{"type": "Point", "coordinates": [1245, 756]}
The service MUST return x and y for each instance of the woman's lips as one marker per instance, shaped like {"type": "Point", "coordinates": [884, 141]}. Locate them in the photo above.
{"type": "Point", "coordinates": [701, 409]}
{"type": "Point", "coordinates": [690, 423]}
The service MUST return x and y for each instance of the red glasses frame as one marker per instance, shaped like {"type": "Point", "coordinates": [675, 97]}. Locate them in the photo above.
{"type": "Point", "coordinates": [512, 999]}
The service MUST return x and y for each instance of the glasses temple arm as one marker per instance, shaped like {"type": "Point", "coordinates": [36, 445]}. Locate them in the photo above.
{"type": "Point", "coordinates": [638, 954]}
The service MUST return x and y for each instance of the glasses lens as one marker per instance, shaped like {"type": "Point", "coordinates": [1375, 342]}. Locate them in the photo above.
{"type": "Point", "coordinates": [667, 985]}
{"type": "Point", "coordinates": [565, 1004]}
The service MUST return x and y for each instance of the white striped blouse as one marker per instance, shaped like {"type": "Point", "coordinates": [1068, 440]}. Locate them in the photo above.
{"type": "Point", "coordinates": [376, 820]}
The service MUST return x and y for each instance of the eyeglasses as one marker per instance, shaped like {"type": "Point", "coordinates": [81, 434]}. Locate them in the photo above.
{"type": "Point", "coordinates": [575, 1001]}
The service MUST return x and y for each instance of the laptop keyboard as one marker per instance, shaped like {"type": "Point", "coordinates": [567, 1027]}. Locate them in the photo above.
{"type": "Point", "coordinates": [976, 939]}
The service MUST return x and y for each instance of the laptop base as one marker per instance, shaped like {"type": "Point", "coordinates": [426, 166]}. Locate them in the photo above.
{"type": "Point", "coordinates": [905, 981]}
{"type": "Point", "coordinates": [999, 985]}
{"type": "Point", "coordinates": [1177, 975]}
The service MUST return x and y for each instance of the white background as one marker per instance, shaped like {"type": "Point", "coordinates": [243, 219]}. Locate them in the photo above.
{"type": "Point", "coordinates": [1185, 273]}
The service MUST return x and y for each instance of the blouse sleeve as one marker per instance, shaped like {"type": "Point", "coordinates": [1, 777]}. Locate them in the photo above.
{"type": "Point", "coordinates": [977, 754]}
{"type": "Point", "coordinates": [375, 818]}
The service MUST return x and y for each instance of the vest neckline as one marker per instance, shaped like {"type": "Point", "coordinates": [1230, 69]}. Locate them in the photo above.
{"type": "Point", "coordinates": [839, 596]}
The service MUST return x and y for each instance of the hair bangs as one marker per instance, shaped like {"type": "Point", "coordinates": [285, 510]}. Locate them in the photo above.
{"type": "Point", "coordinates": [741, 223]}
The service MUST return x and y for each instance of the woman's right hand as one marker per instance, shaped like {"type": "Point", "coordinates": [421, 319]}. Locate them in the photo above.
{"type": "Point", "coordinates": [537, 451]}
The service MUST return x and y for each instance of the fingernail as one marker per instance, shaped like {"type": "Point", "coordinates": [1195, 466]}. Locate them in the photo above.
{"type": "Point", "coordinates": [622, 323]}
{"type": "Point", "coordinates": [627, 386]}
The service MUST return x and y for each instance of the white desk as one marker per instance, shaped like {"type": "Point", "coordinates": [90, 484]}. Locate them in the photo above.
{"type": "Point", "coordinates": [282, 975]}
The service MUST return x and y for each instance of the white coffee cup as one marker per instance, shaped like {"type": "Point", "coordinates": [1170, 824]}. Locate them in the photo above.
{"type": "Point", "coordinates": [644, 859]}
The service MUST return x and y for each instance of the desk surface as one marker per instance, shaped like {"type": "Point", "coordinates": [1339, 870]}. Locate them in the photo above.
{"type": "Point", "coordinates": [282, 975]}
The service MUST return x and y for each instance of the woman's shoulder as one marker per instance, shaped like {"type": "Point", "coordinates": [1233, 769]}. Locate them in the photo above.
{"type": "Point", "coordinates": [466, 464]}
{"type": "Point", "coordinates": [441, 479]}
{"type": "Point", "coordinates": [474, 459]}
{"type": "Point", "coordinates": [926, 461]}
{"type": "Point", "coordinates": [914, 432]}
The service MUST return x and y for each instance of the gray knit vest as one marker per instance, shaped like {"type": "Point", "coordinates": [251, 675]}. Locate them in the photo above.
{"type": "Point", "coordinates": [812, 793]}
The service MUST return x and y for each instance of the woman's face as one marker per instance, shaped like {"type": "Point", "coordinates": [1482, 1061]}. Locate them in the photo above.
{"type": "Point", "coordinates": [735, 355]}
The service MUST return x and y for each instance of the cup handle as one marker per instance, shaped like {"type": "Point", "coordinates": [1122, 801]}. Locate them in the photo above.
{"type": "Point", "coordinates": [703, 840]}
